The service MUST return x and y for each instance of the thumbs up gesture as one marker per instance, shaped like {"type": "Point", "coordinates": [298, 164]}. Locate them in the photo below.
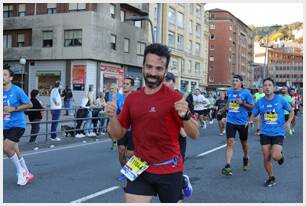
{"type": "Point", "coordinates": [181, 106]}
{"type": "Point", "coordinates": [111, 107]}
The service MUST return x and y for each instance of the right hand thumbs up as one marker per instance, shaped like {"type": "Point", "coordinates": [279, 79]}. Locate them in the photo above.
{"type": "Point", "coordinates": [111, 107]}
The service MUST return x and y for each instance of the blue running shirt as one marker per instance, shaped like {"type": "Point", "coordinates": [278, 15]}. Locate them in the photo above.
{"type": "Point", "coordinates": [14, 98]}
{"type": "Point", "coordinates": [272, 115]}
{"type": "Point", "coordinates": [238, 114]}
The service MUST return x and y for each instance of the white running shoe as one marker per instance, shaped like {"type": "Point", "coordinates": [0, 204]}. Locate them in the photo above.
{"type": "Point", "coordinates": [211, 122]}
{"type": "Point", "coordinates": [92, 134]}
{"type": "Point", "coordinates": [22, 179]}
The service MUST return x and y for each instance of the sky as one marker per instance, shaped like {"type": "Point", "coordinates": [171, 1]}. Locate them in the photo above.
{"type": "Point", "coordinates": [262, 14]}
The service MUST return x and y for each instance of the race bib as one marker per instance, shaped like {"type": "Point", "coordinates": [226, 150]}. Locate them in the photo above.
{"type": "Point", "coordinates": [134, 167]}
{"type": "Point", "coordinates": [233, 106]}
{"type": "Point", "coordinates": [270, 118]}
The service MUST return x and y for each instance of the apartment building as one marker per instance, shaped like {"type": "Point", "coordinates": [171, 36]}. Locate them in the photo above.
{"type": "Point", "coordinates": [81, 44]}
{"type": "Point", "coordinates": [230, 50]}
{"type": "Point", "coordinates": [184, 28]}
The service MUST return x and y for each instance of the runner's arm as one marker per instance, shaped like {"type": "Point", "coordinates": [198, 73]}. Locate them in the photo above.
{"type": "Point", "coordinates": [191, 128]}
{"type": "Point", "coordinates": [115, 129]}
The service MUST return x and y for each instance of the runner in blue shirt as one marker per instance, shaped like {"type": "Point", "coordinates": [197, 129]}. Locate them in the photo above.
{"type": "Point", "coordinates": [240, 102]}
{"type": "Point", "coordinates": [271, 109]}
{"type": "Point", "coordinates": [15, 101]}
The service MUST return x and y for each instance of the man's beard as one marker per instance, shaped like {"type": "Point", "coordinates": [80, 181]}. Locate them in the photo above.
{"type": "Point", "coordinates": [155, 84]}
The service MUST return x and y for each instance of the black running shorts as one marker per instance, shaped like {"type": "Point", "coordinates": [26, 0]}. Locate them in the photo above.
{"type": "Point", "coordinates": [231, 130]}
{"type": "Point", "coordinates": [127, 141]}
{"type": "Point", "coordinates": [221, 116]}
{"type": "Point", "coordinates": [13, 134]}
{"type": "Point", "coordinates": [265, 140]}
{"type": "Point", "coordinates": [168, 187]}
{"type": "Point", "coordinates": [286, 117]}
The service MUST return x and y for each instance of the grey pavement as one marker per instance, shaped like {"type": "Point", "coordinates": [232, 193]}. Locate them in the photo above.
{"type": "Point", "coordinates": [90, 170]}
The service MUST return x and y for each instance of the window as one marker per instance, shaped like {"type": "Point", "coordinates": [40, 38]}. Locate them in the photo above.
{"type": "Point", "coordinates": [198, 30]}
{"type": "Point", "coordinates": [122, 15]}
{"type": "Point", "coordinates": [112, 10]}
{"type": "Point", "coordinates": [211, 79]}
{"type": "Point", "coordinates": [190, 27]}
{"type": "Point", "coordinates": [21, 10]}
{"type": "Point", "coordinates": [182, 65]}
{"type": "Point", "coordinates": [197, 68]}
{"type": "Point", "coordinates": [190, 47]}
{"type": "Point", "coordinates": [173, 64]}
{"type": "Point", "coordinates": [51, 8]}
{"type": "Point", "coordinates": [197, 49]}
{"type": "Point", "coordinates": [190, 66]}
{"type": "Point", "coordinates": [212, 37]}
{"type": "Point", "coordinates": [198, 10]}
{"type": "Point", "coordinates": [137, 24]}
{"type": "Point", "coordinates": [211, 69]}
{"type": "Point", "coordinates": [8, 10]}
{"type": "Point", "coordinates": [171, 39]}
{"type": "Point", "coordinates": [230, 28]}
{"type": "Point", "coordinates": [211, 58]}
{"type": "Point", "coordinates": [180, 41]}
{"type": "Point", "coordinates": [171, 15]}
{"type": "Point", "coordinates": [140, 48]}
{"type": "Point", "coordinates": [77, 7]}
{"type": "Point", "coordinates": [212, 17]}
{"type": "Point", "coordinates": [73, 38]}
{"type": "Point", "coordinates": [7, 41]}
{"type": "Point", "coordinates": [47, 38]}
{"type": "Point", "coordinates": [212, 47]}
{"type": "Point", "coordinates": [180, 20]}
{"type": "Point", "coordinates": [126, 46]}
{"type": "Point", "coordinates": [191, 8]}
{"type": "Point", "coordinates": [113, 38]}
{"type": "Point", "coordinates": [20, 40]}
{"type": "Point", "coordinates": [212, 26]}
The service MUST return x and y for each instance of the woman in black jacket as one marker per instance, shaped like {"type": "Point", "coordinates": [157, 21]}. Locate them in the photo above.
{"type": "Point", "coordinates": [35, 116]}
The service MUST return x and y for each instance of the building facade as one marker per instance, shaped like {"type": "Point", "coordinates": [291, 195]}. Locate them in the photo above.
{"type": "Point", "coordinates": [80, 44]}
{"type": "Point", "coordinates": [184, 28]}
{"type": "Point", "coordinates": [284, 65]}
{"type": "Point", "coordinates": [230, 50]}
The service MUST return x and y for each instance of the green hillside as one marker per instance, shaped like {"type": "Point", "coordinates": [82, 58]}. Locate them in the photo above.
{"type": "Point", "coordinates": [282, 32]}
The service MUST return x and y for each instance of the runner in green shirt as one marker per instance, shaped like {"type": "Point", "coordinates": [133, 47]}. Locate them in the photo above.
{"type": "Point", "coordinates": [257, 96]}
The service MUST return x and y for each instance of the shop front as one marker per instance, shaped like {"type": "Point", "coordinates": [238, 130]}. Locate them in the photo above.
{"type": "Point", "coordinates": [111, 74]}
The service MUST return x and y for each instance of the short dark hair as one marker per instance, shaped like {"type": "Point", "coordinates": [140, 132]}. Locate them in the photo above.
{"type": "Point", "coordinates": [237, 76]}
{"type": "Point", "coordinates": [57, 83]}
{"type": "Point", "coordinates": [268, 79]}
{"type": "Point", "coordinates": [158, 49]}
{"type": "Point", "coordinates": [8, 68]}
{"type": "Point", "coordinates": [170, 76]}
{"type": "Point", "coordinates": [34, 93]}
{"type": "Point", "coordinates": [131, 79]}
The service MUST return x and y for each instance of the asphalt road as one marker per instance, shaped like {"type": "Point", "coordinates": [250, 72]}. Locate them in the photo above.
{"type": "Point", "coordinates": [87, 172]}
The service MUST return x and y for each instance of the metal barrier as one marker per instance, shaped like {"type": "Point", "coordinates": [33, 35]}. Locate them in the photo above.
{"type": "Point", "coordinates": [48, 121]}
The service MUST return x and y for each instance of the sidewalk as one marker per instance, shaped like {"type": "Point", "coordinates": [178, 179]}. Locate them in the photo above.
{"type": "Point", "coordinates": [44, 142]}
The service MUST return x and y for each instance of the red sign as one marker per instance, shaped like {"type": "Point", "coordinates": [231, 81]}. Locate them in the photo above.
{"type": "Point", "coordinates": [78, 77]}
{"type": "Point", "coordinates": [113, 73]}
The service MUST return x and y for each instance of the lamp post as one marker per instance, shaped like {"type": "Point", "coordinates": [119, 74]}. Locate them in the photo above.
{"type": "Point", "coordinates": [141, 18]}
{"type": "Point", "coordinates": [22, 61]}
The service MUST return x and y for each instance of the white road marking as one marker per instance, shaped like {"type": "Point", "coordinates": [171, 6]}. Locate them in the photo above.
{"type": "Point", "coordinates": [210, 151]}
{"type": "Point", "coordinates": [60, 148]}
{"type": "Point", "coordinates": [102, 192]}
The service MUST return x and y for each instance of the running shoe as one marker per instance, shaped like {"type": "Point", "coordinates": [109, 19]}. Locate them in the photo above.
{"type": "Point", "coordinates": [187, 187]}
{"type": "Point", "coordinates": [282, 160]}
{"type": "Point", "coordinates": [245, 164]}
{"type": "Point", "coordinates": [257, 132]}
{"type": "Point", "coordinates": [270, 181]}
{"type": "Point", "coordinates": [227, 171]}
{"type": "Point", "coordinates": [290, 132]}
{"type": "Point", "coordinates": [29, 176]}
{"type": "Point", "coordinates": [22, 179]}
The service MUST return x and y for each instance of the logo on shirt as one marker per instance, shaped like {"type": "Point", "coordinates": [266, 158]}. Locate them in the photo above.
{"type": "Point", "coordinates": [152, 109]}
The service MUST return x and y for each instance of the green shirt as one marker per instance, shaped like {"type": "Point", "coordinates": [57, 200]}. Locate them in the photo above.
{"type": "Point", "coordinates": [258, 96]}
{"type": "Point", "coordinates": [289, 100]}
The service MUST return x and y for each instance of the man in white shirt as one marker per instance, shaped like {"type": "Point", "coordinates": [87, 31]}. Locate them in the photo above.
{"type": "Point", "coordinates": [200, 106]}
{"type": "Point", "coordinates": [56, 105]}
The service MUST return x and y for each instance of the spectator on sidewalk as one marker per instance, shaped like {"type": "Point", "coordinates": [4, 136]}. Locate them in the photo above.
{"type": "Point", "coordinates": [56, 106]}
{"type": "Point", "coordinates": [100, 103]}
{"type": "Point", "coordinates": [90, 104]}
{"type": "Point", "coordinates": [67, 94]}
{"type": "Point", "coordinates": [35, 116]}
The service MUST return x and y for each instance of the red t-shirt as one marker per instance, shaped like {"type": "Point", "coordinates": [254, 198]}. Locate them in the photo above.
{"type": "Point", "coordinates": [155, 127]}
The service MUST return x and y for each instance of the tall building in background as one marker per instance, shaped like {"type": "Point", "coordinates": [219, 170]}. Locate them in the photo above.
{"type": "Point", "coordinates": [184, 28]}
{"type": "Point", "coordinates": [230, 50]}
{"type": "Point", "coordinates": [81, 44]}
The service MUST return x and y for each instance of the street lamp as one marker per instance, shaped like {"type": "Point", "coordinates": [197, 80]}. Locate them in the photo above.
{"type": "Point", "coordinates": [22, 61]}
{"type": "Point", "coordinates": [140, 18]}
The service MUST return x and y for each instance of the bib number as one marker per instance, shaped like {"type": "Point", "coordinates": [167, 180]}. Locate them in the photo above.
{"type": "Point", "coordinates": [134, 167]}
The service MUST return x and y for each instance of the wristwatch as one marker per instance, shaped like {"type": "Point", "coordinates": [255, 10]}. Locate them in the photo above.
{"type": "Point", "coordinates": [15, 108]}
{"type": "Point", "coordinates": [187, 116]}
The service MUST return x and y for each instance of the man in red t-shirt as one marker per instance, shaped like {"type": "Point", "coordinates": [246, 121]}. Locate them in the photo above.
{"type": "Point", "coordinates": [155, 114]}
